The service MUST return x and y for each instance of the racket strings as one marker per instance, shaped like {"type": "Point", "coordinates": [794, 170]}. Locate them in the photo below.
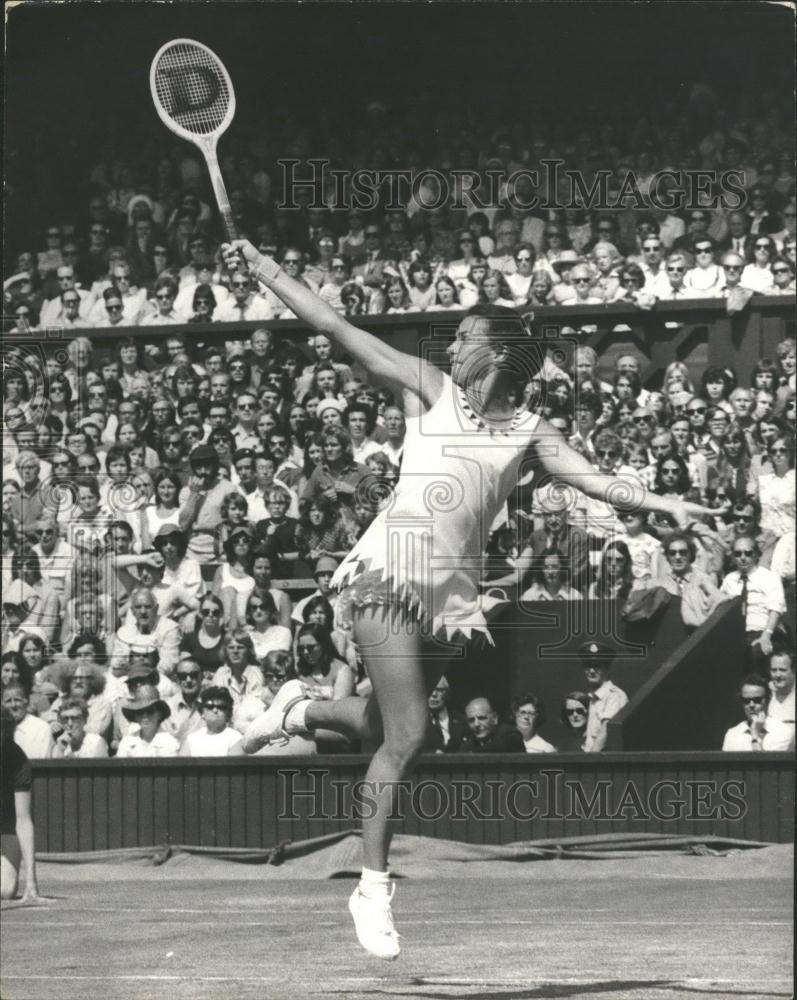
{"type": "Point", "coordinates": [192, 89]}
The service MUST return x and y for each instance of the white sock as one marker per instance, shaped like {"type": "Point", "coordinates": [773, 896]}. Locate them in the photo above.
{"type": "Point", "coordinates": [295, 720]}
{"type": "Point", "coordinates": [374, 884]}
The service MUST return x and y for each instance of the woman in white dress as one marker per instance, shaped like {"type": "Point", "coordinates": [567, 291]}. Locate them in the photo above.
{"type": "Point", "coordinates": [410, 583]}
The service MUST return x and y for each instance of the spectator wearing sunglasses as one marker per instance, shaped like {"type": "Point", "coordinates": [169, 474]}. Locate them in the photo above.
{"type": "Point", "coordinates": [757, 732]}
{"type": "Point", "coordinates": [706, 278]}
{"type": "Point", "coordinates": [762, 597]}
{"type": "Point", "coordinates": [340, 273]}
{"type": "Point", "coordinates": [245, 304]}
{"type": "Point", "coordinates": [204, 644]}
{"type": "Point", "coordinates": [757, 275]}
{"type": "Point", "coordinates": [215, 737]}
{"type": "Point", "coordinates": [165, 313]}
{"type": "Point", "coordinates": [783, 277]}
{"type": "Point", "coordinates": [674, 284]}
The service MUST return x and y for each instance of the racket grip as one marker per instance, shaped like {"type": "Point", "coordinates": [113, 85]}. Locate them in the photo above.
{"type": "Point", "coordinates": [220, 191]}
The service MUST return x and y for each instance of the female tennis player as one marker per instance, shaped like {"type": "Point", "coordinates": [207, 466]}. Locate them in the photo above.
{"type": "Point", "coordinates": [411, 581]}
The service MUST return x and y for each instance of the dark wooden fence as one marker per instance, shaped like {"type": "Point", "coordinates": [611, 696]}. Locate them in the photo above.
{"type": "Point", "coordinates": [261, 802]}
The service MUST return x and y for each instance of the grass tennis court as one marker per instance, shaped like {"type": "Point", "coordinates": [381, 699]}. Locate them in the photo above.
{"type": "Point", "coordinates": [658, 928]}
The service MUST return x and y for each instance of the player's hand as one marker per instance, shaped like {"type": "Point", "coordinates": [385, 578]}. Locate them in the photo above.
{"type": "Point", "coordinates": [686, 512]}
{"type": "Point", "coordinates": [237, 251]}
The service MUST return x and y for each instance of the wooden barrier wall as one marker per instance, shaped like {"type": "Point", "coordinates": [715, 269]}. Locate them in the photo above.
{"type": "Point", "coordinates": [698, 332]}
{"type": "Point", "coordinates": [483, 799]}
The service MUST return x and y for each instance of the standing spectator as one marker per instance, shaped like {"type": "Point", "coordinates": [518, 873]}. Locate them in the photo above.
{"type": "Point", "coordinates": [763, 600]}
{"type": "Point", "coordinates": [447, 727]}
{"type": "Point", "coordinates": [487, 733]}
{"type": "Point", "coordinates": [757, 731]}
{"type": "Point", "coordinates": [201, 500]}
{"type": "Point", "coordinates": [529, 713]}
{"type": "Point", "coordinates": [605, 698]}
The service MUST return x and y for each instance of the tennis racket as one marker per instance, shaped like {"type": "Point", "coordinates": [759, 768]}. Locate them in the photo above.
{"type": "Point", "coordinates": [193, 96]}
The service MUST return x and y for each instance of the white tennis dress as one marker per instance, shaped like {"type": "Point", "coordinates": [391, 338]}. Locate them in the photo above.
{"type": "Point", "coordinates": [427, 545]}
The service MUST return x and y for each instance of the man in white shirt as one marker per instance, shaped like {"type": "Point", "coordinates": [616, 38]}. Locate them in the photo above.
{"type": "Point", "coordinates": [32, 735]}
{"type": "Point", "coordinates": [763, 600]}
{"type": "Point", "coordinates": [149, 631]}
{"type": "Point", "coordinates": [56, 556]}
{"type": "Point", "coordinates": [781, 686]}
{"type": "Point", "coordinates": [54, 310]}
{"type": "Point", "coordinates": [758, 731]}
{"type": "Point", "coordinates": [245, 305]}
{"type": "Point", "coordinates": [244, 429]}
{"type": "Point", "coordinates": [606, 699]}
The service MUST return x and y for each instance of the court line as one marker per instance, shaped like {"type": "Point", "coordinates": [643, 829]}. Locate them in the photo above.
{"type": "Point", "coordinates": [507, 921]}
{"type": "Point", "coordinates": [438, 981]}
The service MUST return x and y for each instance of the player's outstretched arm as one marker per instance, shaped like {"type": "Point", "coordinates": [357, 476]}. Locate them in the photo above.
{"type": "Point", "coordinates": [558, 458]}
{"type": "Point", "coordinates": [387, 366]}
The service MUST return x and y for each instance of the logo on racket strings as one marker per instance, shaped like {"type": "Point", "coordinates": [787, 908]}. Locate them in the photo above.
{"type": "Point", "coordinates": [192, 89]}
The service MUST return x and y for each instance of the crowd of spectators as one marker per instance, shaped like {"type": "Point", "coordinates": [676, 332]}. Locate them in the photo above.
{"type": "Point", "coordinates": [152, 497]}
{"type": "Point", "coordinates": [154, 491]}
{"type": "Point", "coordinates": [140, 246]}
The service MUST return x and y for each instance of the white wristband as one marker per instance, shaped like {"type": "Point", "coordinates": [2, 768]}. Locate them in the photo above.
{"type": "Point", "coordinates": [266, 269]}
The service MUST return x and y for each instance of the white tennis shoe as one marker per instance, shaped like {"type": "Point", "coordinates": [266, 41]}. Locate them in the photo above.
{"type": "Point", "coordinates": [271, 726]}
{"type": "Point", "coordinates": [373, 921]}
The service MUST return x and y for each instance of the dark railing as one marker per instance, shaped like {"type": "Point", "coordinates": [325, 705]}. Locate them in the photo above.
{"type": "Point", "coordinates": [483, 799]}
{"type": "Point", "coordinates": [704, 335]}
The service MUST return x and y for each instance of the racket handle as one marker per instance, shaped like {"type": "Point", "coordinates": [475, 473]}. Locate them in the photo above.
{"type": "Point", "coordinates": [220, 192]}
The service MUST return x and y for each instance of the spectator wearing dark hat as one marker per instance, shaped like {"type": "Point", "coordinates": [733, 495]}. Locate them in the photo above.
{"type": "Point", "coordinates": [216, 738]}
{"type": "Point", "coordinates": [146, 712]}
{"type": "Point", "coordinates": [201, 500]}
{"type": "Point", "coordinates": [605, 698]}
{"type": "Point", "coordinates": [487, 733]}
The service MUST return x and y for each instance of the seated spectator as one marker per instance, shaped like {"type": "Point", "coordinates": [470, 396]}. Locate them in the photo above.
{"type": "Point", "coordinates": [83, 678]}
{"type": "Point", "coordinates": [447, 726]}
{"type": "Point", "coordinates": [244, 305]}
{"type": "Point", "coordinates": [575, 712]}
{"type": "Point", "coordinates": [277, 533]}
{"type": "Point", "coordinates": [605, 698]}
{"type": "Point", "coordinates": [757, 275]}
{"type": "Point", "coordinates": [149, 630]}
{"type": "Point", "coordinates": [31, 735]}
{"type": "Point", "coordinates": [647, 557]}
{"type": "Point", "coordinates": [186, 716]}
{"type": "Point", "coordinates": [615, 578]}
{"type": "Point", "coordinates": [323, 572]}
{"type": "Point", "coordinates": [487, 734]}
{"type": "Point", "coordinates": [529, 714]}
{"type": "Point", "coordinates": [216, 738]}
{"type": "Point", "coordinates": [75, 739]}
{"type": "Point", "coordinates": [322, 530]}
{"type": "Point", "coordinates": [324, 675]}
{"type": "Point", "coordinates": [239, 673]}
{"type": "Point", "coordinates": [757, 731]}
{"type": "Point", "coordinates": [318, 611]}
{"type": "Point", "coordinates": [781, 686]}
{"type": "Point", "coordinates": [782, 277]}
{"type": "Point", "coordinates": [146, 712]}
{"type": "Point", "coordinates": [550, 579]}
{"type": "Point", "coordinates": [263, 626]}
{"type": "Point", "coordinates": [775, 490]}
{"type": "Point", "coordinates": [705, 279]}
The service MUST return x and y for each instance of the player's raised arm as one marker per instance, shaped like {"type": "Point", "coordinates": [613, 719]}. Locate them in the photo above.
{"type": "Point", "coordinates": [387, 366]}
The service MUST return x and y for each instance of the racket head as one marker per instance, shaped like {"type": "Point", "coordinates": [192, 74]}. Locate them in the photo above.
{"type": "Point", "coordinates": [192, 91]}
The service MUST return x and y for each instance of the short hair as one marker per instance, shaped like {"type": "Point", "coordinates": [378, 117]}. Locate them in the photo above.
{"type": "Point", "coordinates": [242, 636]}
{"type": "Point", "coordinates": [753, 680]}
{"type": "Point", "coordinates": [682, 537]}
{"type": "Point", "coordinates": [75, 705]}
{"type": "Point", "coordinates": [530, 699]}
{"type": "Point", "coordinates": [217, 693]}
